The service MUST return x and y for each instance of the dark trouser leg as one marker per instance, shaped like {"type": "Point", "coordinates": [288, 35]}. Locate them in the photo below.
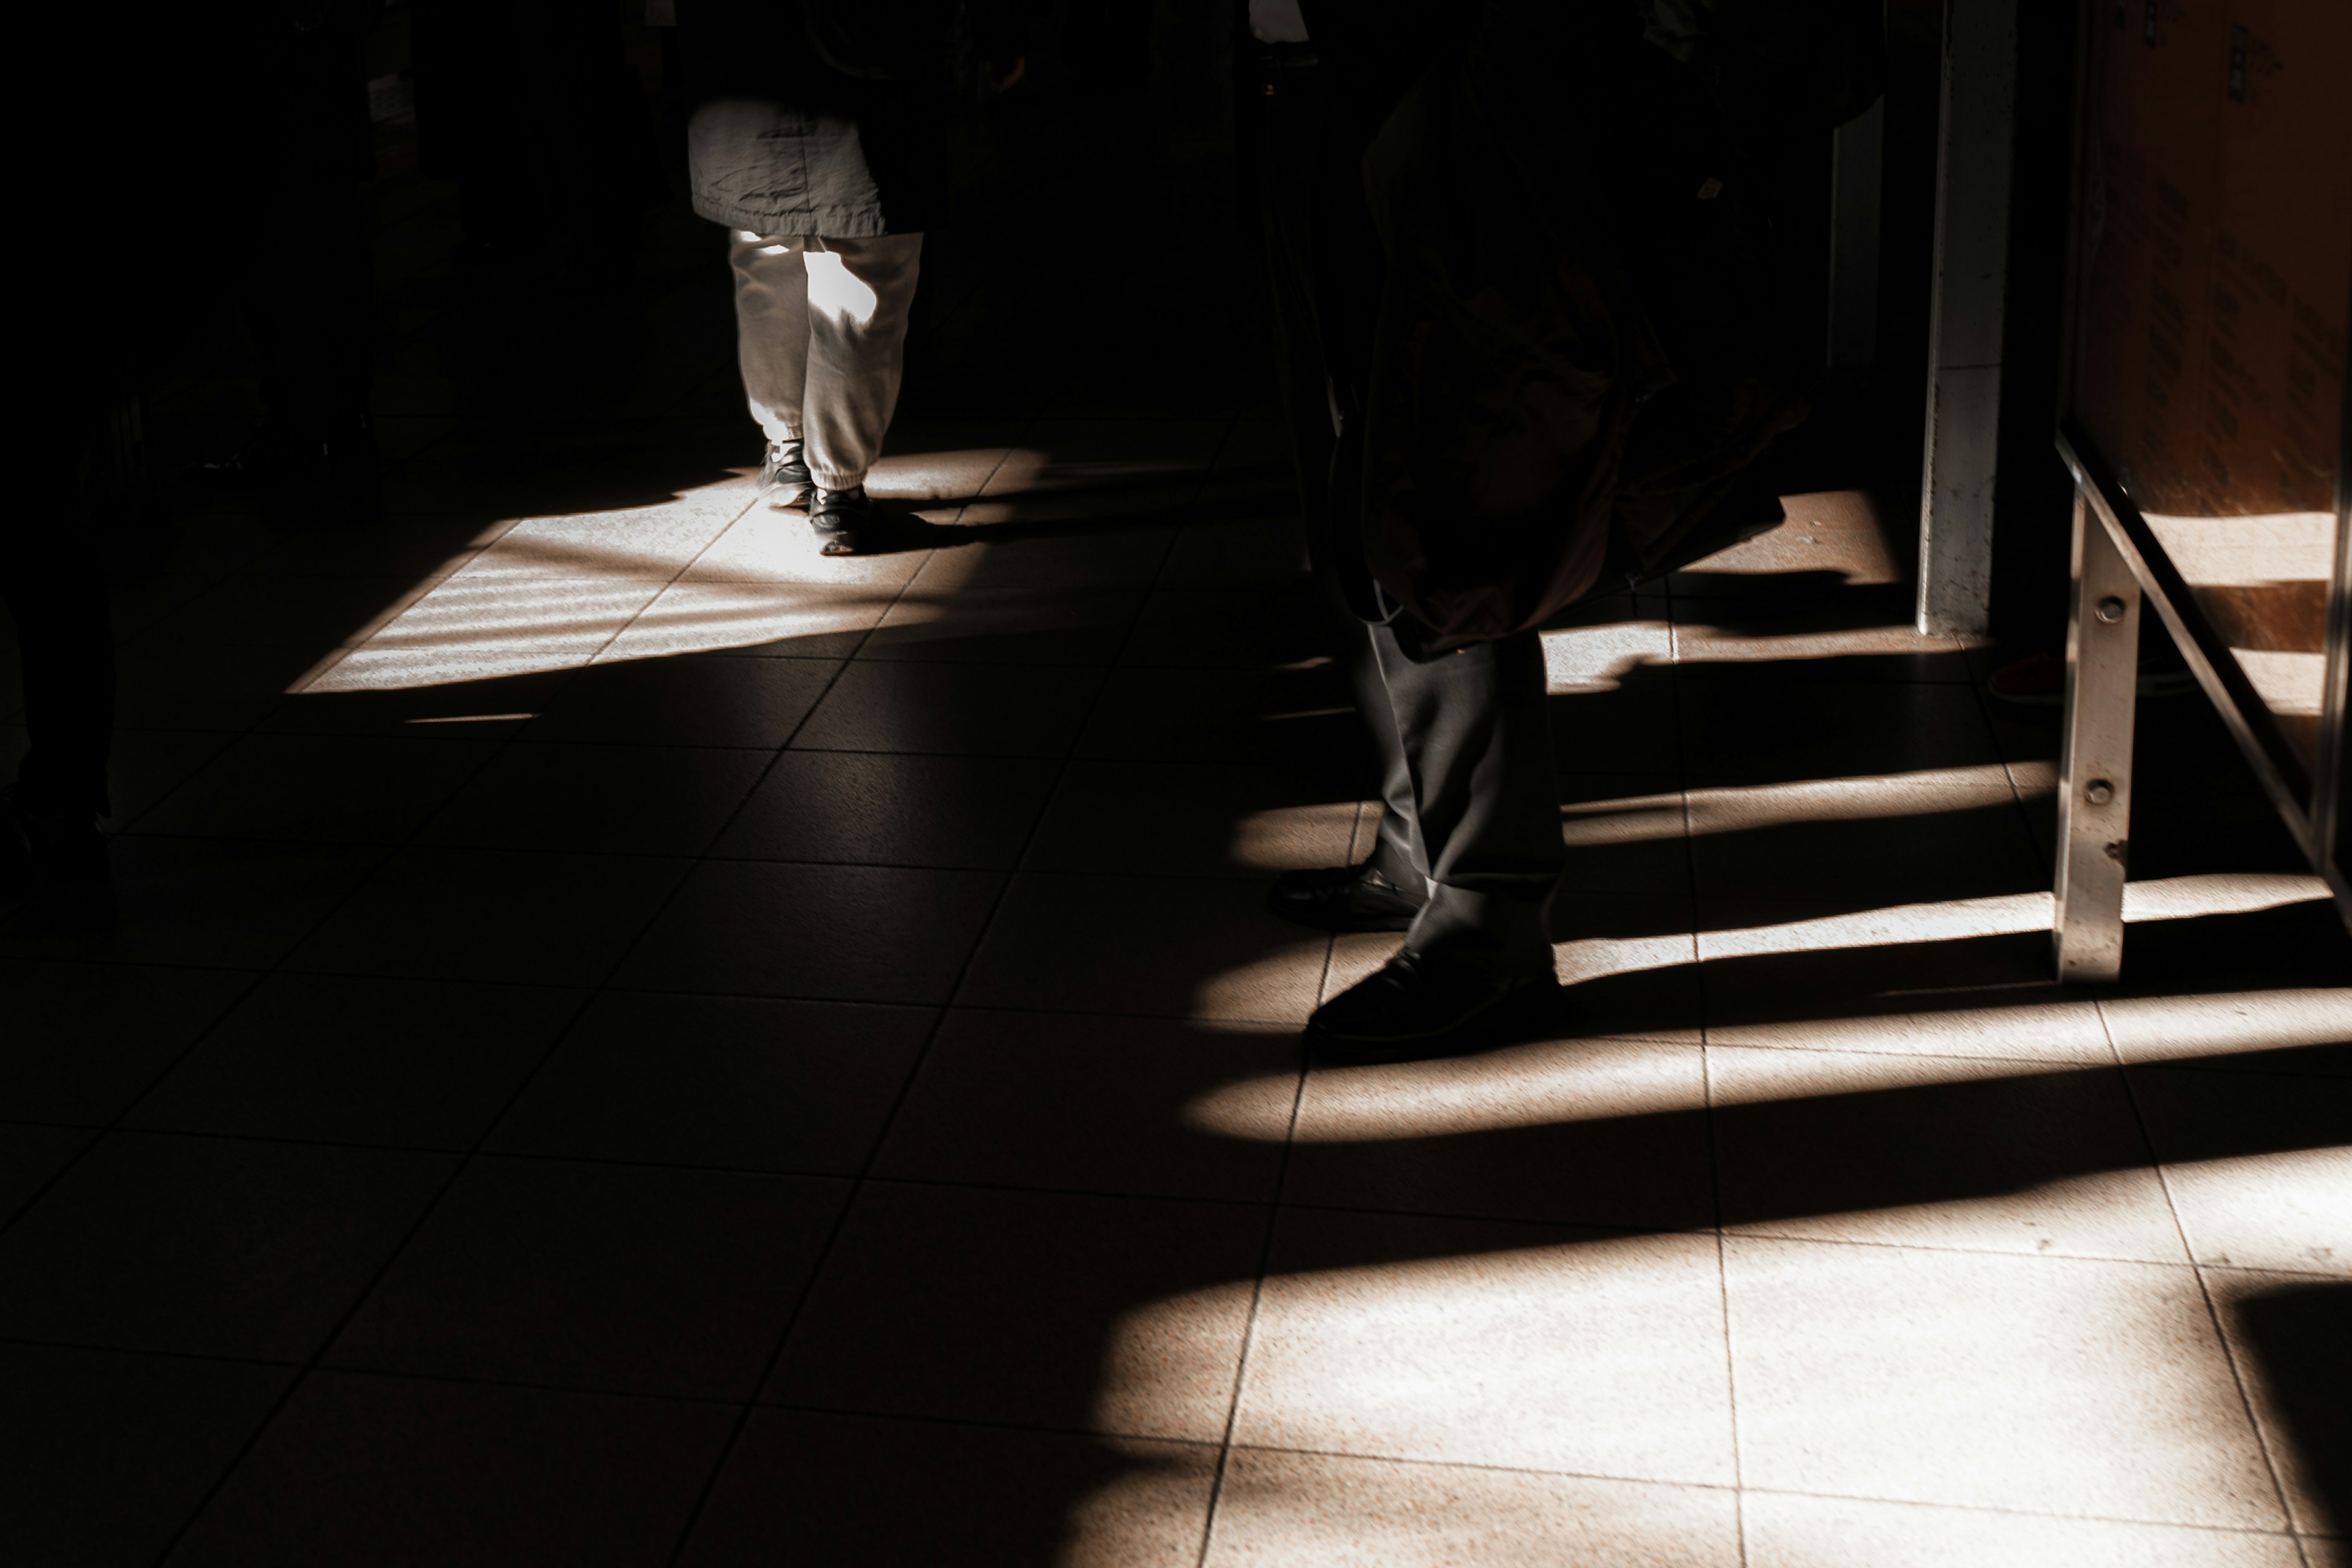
{"type": "Point", "coordinates": [1318, 245]}
{"type": "Point", "coordinates": [1478, 750]}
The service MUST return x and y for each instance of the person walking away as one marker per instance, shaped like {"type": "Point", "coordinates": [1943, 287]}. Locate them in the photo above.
{"type": "Point", "coordinates": [818, 140]}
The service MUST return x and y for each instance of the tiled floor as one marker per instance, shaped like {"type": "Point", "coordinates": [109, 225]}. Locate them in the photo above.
{"type": "Point", "coordinates": [632, 1043]}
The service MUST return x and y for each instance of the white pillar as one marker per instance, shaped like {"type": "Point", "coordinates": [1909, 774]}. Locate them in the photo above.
{"type": "Point", "coordinates": [1971, 284]}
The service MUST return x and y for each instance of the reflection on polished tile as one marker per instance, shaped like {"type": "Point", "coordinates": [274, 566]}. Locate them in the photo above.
{"type": "Point", "coordinates": [1321, 1510]}
{"type": "Point", "coordinates": [2044, 1386]}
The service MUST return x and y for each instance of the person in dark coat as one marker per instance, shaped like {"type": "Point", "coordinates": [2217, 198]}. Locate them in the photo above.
{"type": "Point", "coordinates": [1575, 365]}
{"type": "Point", "coordinates": [818, 139]}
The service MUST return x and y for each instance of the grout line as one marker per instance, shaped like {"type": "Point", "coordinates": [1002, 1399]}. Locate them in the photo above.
{"type": "Point", "coordinates": [914, 1072]}
{"type": "Point", "coordinates": [2238, 1376]}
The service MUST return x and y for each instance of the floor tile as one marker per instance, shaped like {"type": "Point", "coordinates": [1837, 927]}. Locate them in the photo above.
{"type": "Point", "coordinates": [876, 809]}
{"type": "Point", "coordinates": [623, 1277]}
{"type": "Point", "coordinates": [1256, 553]}
{"type": "Point", "coordinates": [730, 1082]}
{"type": "Point", "coordinates": [2303, 1031]}
{"type": "Point", "coordinates": [1749, 732]}
{"type": "Point", "coordinates": [410, 1064]}
{"type": "Point", "coordinates": [1625, 834]}
{"type": "Point", "coordinates": [218, 902]}
{"type": "Point", "coordinates": [1946, 845]}
{"type": "Point", "coordinates": [1586, 1131]}
{"type": "Point", "coordinates": [1473, 1342]}
{"type": "Point", "coordinates": [1630, 726]}
{"type": "Point", "coordinates": [968, 709]}
{"type": "Point", "coordinates": [268, 607]}
{"type": "Point", "coordinates": [1843, 1533]}
{"type": "Point", "coordinates": [1856, 635]}
{"type": "Point", "coordinates": [646, 542]}
{"type": "Point", "coordinates": [2287, 1334]}
{"type": "Point", "coordinates": [1120, 1315]}
{"type": "Point", "coordinates": [791, 620]}
{"type": "Point", "coordinates": [1091, 1104]}
{"type": "Point", "coordinates": [806, 1486]}
{"type": "Point", "coordinates": [627, 799]}
{"type": "Point", "coordinates": [390, 549]}
{"type": "Point", "coordinates": [1625, 963]}
{"type": "Point", "coordinates": [2035, 1385]}
{"type": "Point", "coordinates": [85, 1038]}
{"type": "Point", "coordinates": [1945, 1151]}
{"type": "Point", "coordinates": [1197, 628]}
{"type": "Point", "coordinates": [1223, 819]}
{"type": "Point", "coordinates": [146, 765]}
{"type": "Point", "coordinates": [106, 1455]}
{"type": "Point", "coordinates": [486, 612]}
{"type": "Point", "coordinates": [1047, 624]}
{"type": "Point", "coordinates": [483, 914]}
{"type": "Point", "coordinates": [1177, 947]}
{"type": "Point", "coordinates": [708, 701]}
{"type": "Point", "coordinates": [401, 667]}
{"type": "Point", "coordinates": [2259, 1167]}
{"type": "Point", "coordinates": [369, 1472]}
{"type": "Point", "coordinates": [348, 789]}
{"type": "Point", "coordinates": [851, 933]}
{"type": "Point", "coordinates": [475, 702]}
{"type": "Point", "coordinates": [1953, 979]}
{"type": "Point", "coordinates": [32, 1153]}
{"type": "Point", "coordinates": [207, 1245]}
{"type": "Point", "coordinates": [764, 545]}
{"type": "Point", "coordinates": [1320, 1511]}
{"type": "Point", "coordinates": [1820, 558]}
{"type": "Point", "coordinates": [209, 689]}
{"type": "Point", "coordinates": [1284, 718]}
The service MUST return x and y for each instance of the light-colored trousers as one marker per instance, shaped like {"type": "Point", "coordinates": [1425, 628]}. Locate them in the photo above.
{"type": "Point", "coordinates": [821, 330]}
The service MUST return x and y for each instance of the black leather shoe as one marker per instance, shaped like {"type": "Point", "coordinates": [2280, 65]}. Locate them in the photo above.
{"type": "Point", "coordinates": [845, 521]}
{"type": "Point", "coordinates": [1343, 898]}
{"type": "Point", "coordinates": [1425, 1005]}
{"type": "Point", "coordinates": [784, 476]}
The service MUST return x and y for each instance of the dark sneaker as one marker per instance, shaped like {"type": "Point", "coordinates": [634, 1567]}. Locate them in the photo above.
{"type": "Point", "coordinates": [1343, 898]}
{"type": "Point", "coordinates": [785, 476]}
{"type": "Point", "coordinates": [1427, 1005]}
{"type": "Point", "coordinates": [845, 520]}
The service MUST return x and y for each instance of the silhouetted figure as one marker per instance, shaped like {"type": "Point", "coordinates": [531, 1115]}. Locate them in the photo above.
{"type": "Point", "coordinates": [819, 140]}
{"type": "Point", "coordinates": [1576, 359]}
